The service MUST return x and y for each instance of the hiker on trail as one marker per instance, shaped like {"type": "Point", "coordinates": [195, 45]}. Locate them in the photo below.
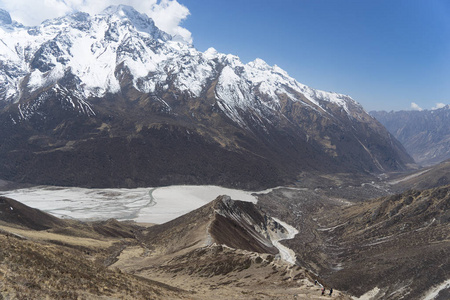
{"type": "Point", "coordinates": [315, 282]}
{"type": "Point", "coordinates": [323, 291]}
{"type": "Point", "coordinates": [331, 291]}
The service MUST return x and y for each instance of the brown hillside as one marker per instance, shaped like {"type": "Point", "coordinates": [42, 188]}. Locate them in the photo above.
{"type": "Point", "coordinates": [14, 212]}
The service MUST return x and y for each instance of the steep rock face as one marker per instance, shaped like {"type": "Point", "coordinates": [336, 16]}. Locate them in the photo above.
{"type": "Point", "coordinates": [241, 225]}
{"type": "Point", "coordinates": [236, 224]}
{"type": "Point", "coordinates": [110, 100]}
{"type": "Point", "coordinates": [425, 134]}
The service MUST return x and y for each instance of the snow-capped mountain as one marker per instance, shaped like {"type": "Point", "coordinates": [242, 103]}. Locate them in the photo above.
{"type": "Point", "coordinates": [117, 75]}
{"type": "Point", "coordinates": [93, 48]}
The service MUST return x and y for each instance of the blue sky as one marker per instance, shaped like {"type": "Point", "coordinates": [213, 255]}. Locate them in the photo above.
{"type": "Point", "coordinates": [386, 54]}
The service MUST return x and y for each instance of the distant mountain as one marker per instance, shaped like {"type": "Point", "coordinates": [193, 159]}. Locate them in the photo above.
{"type": "Point", "coordinates": [110, 100]}
{"type": "Point", "coordinates": [424, 134]}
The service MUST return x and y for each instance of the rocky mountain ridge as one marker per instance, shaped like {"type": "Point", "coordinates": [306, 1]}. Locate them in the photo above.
{"type": "Point", "coordinates": [79, 91]}
{"type": "Point", "coordinates": [236, 224]}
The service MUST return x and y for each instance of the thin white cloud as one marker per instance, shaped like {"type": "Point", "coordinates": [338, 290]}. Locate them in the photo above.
{"type": "Point", "coordinates": [34, 12]}
{"type": "Point", "coordinates": [167, 14]}
{"type": "Point", "coordinates": [438, 105]}
{"type": "Point", "coordinates": [414, 106]}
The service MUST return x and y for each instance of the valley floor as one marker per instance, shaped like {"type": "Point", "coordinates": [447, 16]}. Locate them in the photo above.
{"type": "Point", "coordinates": [370, 248]}
{"type": "Point", "coordinates": [145, 205]}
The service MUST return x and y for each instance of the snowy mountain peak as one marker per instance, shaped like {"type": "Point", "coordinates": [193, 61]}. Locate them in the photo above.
{"type": "Point", "coordinates": [259, 64]}
{"type": "Point", "coordinates": [127, 14]}
{"type": "Point", "coordinates": [99, 53]}
{"type": "Point", "coordinates": [211, 53]}
{"type": "Point", "coordinates": [122, 10]}
{"type": "Point", "coordinates": [5, 17]}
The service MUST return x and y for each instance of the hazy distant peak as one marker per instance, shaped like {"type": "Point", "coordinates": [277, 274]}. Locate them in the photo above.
{"type": "Point", "coordinates": [140, 21]}
{"type": "Point", "coordinates": [123, 11]}
{"type": "Point", "coordinates": [5, 17]}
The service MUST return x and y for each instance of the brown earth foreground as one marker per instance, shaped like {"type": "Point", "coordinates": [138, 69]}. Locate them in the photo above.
{"type": "Point", "coordinates": [392, 247]}
{"type": "Point", "coordinates": [60, 259]}
{"type": "Point", "coordinates": [396, 246]}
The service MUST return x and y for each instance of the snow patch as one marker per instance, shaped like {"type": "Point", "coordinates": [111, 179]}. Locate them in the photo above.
{"type": "Point", "coordinates": [369, 295]}
{"type": "Point", "coordinates": [434, 292]}
{"type": "Point", "coordinates": [285, 253]}
{"type": "Point", "coordinates": [36, 80]}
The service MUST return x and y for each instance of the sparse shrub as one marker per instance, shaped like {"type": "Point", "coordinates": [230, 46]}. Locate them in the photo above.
{"type": "Point", "coordinates": [408, 200]}
{"type": "Point", "coordinates": [247, 264]}
{"type": "Point", "coordinates": [395, 198]}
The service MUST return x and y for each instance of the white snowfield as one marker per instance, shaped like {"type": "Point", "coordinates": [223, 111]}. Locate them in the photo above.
{"type": "Point", "coordinates": [147, 205]}
{"type": "Point", "coordinates": [174, 201]}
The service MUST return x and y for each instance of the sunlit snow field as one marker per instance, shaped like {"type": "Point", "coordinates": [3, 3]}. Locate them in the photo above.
{"type": "Point", "coordinates": [148, 205]}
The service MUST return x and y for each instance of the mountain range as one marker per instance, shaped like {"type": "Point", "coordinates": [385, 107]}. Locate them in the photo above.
{"type": "Point", "coordinates": [110, 100]}
{"type": "Point", "coordinates": [424, 134]}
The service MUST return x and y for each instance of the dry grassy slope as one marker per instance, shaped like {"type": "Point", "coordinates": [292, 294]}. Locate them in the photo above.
{"type": "Point", "coordinates": [399, 243]}
{"type": "Point", "coordinates": [426, 178]}
{"type": "Point", "coordinates": [43, 257]}
{"type": "Point", "coordinates": [69, 259]}
{"type": "Point", "coordinates": [15, 212]}
{"type": "Point", "coordinates": [219, 272]}
{"type": "Point", "coordinates": [190, 253]}
{"type": "Point", "coordinates": [36, 270]}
